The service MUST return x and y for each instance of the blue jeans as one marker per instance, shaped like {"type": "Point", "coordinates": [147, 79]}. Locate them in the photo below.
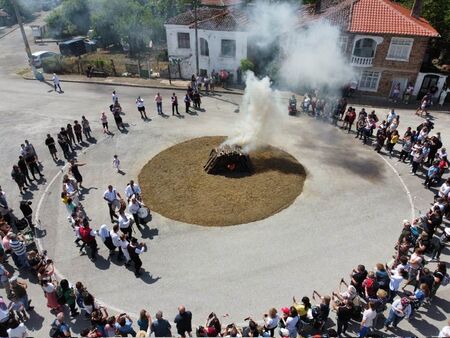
{"type": "Point", "coordinates": [364, 331]}
{"type": "Point", "coordinates": [392, 319]}
{"type": "Point", "coordinates": [23, 261]}
{"type": "Point", "coordinates": [24, 301]}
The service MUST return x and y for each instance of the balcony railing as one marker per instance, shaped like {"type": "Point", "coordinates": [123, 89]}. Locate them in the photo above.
{"type": "Point", "coordinates": [360, 61]}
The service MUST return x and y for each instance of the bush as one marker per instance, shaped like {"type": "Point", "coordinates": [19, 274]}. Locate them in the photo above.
{"type": "Point", "coordinates": [246, 64]}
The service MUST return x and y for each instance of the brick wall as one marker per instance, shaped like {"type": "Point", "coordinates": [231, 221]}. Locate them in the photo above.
{"type": "Point", "coordinates": [394, 69]}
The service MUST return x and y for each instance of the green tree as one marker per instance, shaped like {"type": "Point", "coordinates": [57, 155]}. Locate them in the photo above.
{"type": "Point", "coordinates": [8, 7]}
{"type": "Point", "coordinates": [69, 19]}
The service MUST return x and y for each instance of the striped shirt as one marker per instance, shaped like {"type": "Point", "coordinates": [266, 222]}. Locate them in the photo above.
{"type": "Point", "coordinates": [18, 247]}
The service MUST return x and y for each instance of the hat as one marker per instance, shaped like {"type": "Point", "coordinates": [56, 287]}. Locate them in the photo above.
{"type": "Point", "coordinates": [285, 310]}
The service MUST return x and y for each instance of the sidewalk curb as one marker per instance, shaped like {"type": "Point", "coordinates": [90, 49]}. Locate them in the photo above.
{"type": "Point", "coordinates": [9, 32]}
{"type": "Point", "coordinates": [121, 84]}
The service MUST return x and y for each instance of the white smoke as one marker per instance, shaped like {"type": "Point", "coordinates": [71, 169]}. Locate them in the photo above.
{"type": "Point", "coordinates": [307, 56]}
{"type": "Point", "coordinates": [260, 109]}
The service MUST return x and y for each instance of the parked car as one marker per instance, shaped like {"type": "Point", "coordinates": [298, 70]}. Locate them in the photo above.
{"type": "Point", "coordinates": [39, 56]}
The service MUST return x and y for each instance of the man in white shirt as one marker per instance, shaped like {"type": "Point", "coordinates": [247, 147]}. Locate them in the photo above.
{"type": "Point", "coordinates": [135, 249]}
{"type": "Point", "coordinates": [56, 84]}
{"type": "Point", "coordinates": [444, 190]}
{"type": "Point", "coordinates": [111, 196]}
{"type": "Point", "coordinates": [141, 108]}
{"type": "Point", "coordinates": [132, 189]}
{"type": "Point", "coordinates": [125, 224]}
{"type": "Point", "coordinates": [396, 279]}
{"type": "Point", "coordinates": [16, 329]}
{"type": "Point", "coordinates": [115, 238]}
{"type": "Point", "coordinates": [115, 97]}
{"type": "Point", "coordinates": [134, 207]}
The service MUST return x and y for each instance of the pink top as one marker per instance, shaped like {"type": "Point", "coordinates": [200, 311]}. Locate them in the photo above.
{"type": "Point", "coordinates": [158, 98]}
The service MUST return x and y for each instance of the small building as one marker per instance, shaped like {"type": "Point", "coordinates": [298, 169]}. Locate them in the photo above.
{"type": "Point", "coordinates": [222, 39]}
{"type": "Point", "coordinates": [386, 43]}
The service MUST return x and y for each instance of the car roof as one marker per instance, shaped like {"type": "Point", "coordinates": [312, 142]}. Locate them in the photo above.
{"type": "Point", "coordinates": [41, 52]}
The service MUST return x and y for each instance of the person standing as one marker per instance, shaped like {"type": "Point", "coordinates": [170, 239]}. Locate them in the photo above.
{"type": "Point", "coordinates": [111, 196]}
{"type": "Point", "coordinates": [62, 140]}
{"type": "Point", "coordinates": [116, 163]}
{"type": "Point", "coordinates": [141, 107]}
{"type": "Point", "coordinates": [56, 84]}
{"type": "Point", "coordinates": [401, 308]}
{"type": "Point", "coordinates": [65, 291]}
{"type": "Point", "coordinates": [115, 97]}
{"type": "Point", "coordinates": [160, 327]}
{"type": "Point", "coordinates": [19, 178]}
{"type": "Point", "coordinates": [369, 316]}
{"type": "Point", "coordinates": [134, 250]}
{"type": "Point", "coordinates": [59, 327]}
{"type": "Point", "coordinates": [104, 120]}
{"type": "Point", "coordinates": [86, 127]}
{"type": "Point", "coordinates": [174, 100]}
{"type": "Point", "coordinates": [25, 207]}
{"type": "Point", "coordinates": [187, 102]}
{"type": "Point", "coordinates": [29, 148]}
{"type": "Point", "coordinates": [32, 164]}
{"type": "Point", "coordinates": [19, 250]}
{"type": "Point", "coordinates": [134, 207]}
{"type": "Point", "coordinates": [20, 291]}
{"type": "Point", "coordinates": [88, 236]}
{"type": "Point", "coordinates": [183, 321]}
{"type": "Point", "coordinates": [344, 315]}
{"type": "Point", "coordinates": [50, 293]}
{"type": "Point", "coordinates": [158, 100]}
{"type": "Point", "coordinates": [70, 135]}
{"type": "Point", "coordinates": [16, 329]}
{"type": "Point", "coordinates": [132, 189]}
{"type": "Point", "coordinates": [68, 141]}
{"type": "Point", "coordinates": [24, 168]}
{"type": "Point", "coordinates": [78, 131]}
{"type": "Point", "coordinates": [50, 143]}
{"type": "Point", "coordinates": [125, 224]}
{"type": "Point", "coordinates": [76, 172]}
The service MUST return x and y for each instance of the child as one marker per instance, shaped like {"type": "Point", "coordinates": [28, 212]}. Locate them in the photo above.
{"type": "Point", "coordinates": [116, 163]}
{"type": "Point", "coordinates": [76, 229]}
{"type": "Point", "coordinates": [17, 307]}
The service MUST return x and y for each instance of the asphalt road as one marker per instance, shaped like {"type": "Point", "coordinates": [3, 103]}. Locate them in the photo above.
{"type": "Point", "coordinates": [349, 213]}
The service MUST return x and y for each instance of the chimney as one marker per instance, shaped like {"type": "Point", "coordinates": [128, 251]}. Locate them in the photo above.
{"type": "Point", "coordinates": [318, 6]}
{"type": "Point", "coordinates": [416, 11]}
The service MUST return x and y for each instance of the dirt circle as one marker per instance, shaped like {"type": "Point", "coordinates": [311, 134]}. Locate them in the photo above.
{"type": "Point", "coordinates": [176, 186]}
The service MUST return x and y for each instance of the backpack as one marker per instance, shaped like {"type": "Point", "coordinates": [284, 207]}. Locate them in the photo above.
{"type": "Point", "coordinates": [60, 297]}
{"type": "Point", "coordinates": [446, 280]}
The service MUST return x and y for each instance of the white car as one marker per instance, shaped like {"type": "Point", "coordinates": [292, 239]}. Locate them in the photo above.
{"type": "Point", "coordinates": [39, 56]}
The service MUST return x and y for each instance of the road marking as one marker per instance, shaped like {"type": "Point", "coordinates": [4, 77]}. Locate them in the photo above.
{"type": "Point", "coordinates": [408, 193]}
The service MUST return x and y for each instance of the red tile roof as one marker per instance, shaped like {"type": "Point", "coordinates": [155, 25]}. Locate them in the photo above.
{"type": "Point", "coordinates": [384, 16]}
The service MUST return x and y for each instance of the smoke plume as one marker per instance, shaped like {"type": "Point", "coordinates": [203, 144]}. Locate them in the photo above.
{"type": "Point", "coordinates": [299, 54]}
{"type": "Point", "coordinates": [260, 107]}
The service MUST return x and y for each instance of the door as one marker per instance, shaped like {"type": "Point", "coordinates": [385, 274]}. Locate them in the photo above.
{"type": "Point", "coordinates": [428, 82]}
{"type": "Point", "coordinates": [403, 83]}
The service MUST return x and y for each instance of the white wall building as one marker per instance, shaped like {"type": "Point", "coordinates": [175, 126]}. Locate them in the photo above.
{"type": "Point", "coordinates": [222, 40]}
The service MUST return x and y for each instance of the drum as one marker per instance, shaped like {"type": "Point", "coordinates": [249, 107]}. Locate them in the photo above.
{"type": "Point", "coordinates": [143, 212]}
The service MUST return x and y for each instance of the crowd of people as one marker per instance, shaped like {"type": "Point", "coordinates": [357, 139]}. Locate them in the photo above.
{"type": "Point", "coordinates": [407, 283]}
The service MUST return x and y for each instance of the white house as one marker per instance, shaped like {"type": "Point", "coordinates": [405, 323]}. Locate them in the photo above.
{"type": "Point", "coordinates": [222, 40]}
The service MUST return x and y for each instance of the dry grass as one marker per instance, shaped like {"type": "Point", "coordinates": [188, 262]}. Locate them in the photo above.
{"type": "Point", "coordinates": [176, 186]}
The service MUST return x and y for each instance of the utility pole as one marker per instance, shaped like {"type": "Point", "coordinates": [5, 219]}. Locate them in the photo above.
{"type": "Point", "coordinates": [24, 37]}
{"type": "Point", "coordinates": [196, 37]}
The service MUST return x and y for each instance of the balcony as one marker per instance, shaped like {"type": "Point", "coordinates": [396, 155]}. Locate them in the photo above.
{"type": "Point", "coordinates": [359, 61]}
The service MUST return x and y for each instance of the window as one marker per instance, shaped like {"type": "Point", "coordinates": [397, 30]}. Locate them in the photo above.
{"type": "Point", "coordinates": [400, 49]}
{"type": "Point", "coordinates": [369, 80]}
{"type": "Point", "coordinates": [184, 40]}
{"type": "Point", "coordinates": [204, 49]}
{"type": "Point", "coordinates": [228, 48]}
{"type": "Point", "coordinates": [342, 43]}
{"type": "Point", "coordinates": [365, 48]}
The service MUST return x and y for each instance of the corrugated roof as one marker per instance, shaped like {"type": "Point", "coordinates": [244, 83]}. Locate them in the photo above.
{"type": "Point", "coordinates": [223, 19]}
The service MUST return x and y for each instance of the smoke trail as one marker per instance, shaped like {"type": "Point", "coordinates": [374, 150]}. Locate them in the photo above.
{"type": "Point", "coordinates": [300, 56]}
{"type": "Point", "coordinates": [260, 106]}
